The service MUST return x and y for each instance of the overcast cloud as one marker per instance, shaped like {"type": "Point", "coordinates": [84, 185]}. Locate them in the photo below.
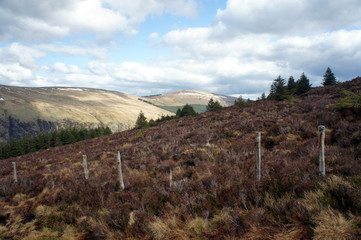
{"type": "Point", "coordinates": [241, 50]}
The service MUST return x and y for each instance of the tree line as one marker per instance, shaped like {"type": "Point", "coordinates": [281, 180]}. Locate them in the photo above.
{"type": "Point", "coordinates": [280, 90]}
{"type": "Point", "coordinates": [30, 144]}
{"type": "Point", "coordinates": [186, 110]}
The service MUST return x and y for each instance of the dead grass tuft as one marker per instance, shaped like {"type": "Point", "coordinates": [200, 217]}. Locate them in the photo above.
{"type": "Point", "coordinates": [197, 227]}
{"type": "Point", "coordinates": [333, 225]}
{"type": "Point", "coordinates": [167, 229]}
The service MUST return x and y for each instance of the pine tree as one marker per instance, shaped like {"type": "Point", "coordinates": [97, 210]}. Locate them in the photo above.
{"type": "Point", "coordinates": [329, 78]}
{"type": "Point", "coordinates": [291, 85]}
{"type": "Point", "coordinates": [214, 105]}
{"type": "Point", "coordinates": [107, 131]}
{"type": "Point", "coordinates": [240, 101]}
{"type": "Point", "coordinates": [263, 96]}
{"type": "Point", "coordinates": [141, 121]}
{"type": "Point", "coordinates": [303, 85]}
{"type": "Point", "coordinates": [152, 123]}
{"type": "Point", "coordinates": [187, 110]}
{"type": "Point", "coordinates": [278, 89]}
{"type": "Point", "coordinates": [178, 113]}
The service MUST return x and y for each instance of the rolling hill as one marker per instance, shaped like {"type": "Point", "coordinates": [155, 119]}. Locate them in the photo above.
{"type": "Point", "coordinates": [213, 192]}
{"type": "Point", "coordinates": [27, 111]}
{"type": "Point", "coordinates": [197, 99]}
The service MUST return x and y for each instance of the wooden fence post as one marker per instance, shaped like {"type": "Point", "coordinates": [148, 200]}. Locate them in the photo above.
{"type": "Point", "coordinates": [119, 160]}
{"type": "Point", "coordinates": [259, 156]}
{"type": "Point", "coordinates": [15, 175]}
{"type": "Point", "coordinates": [170, 178]}
{"type": "Point", "coordinates": [321, 149]}
{"type": "Point", "coordinates": [85, 166]}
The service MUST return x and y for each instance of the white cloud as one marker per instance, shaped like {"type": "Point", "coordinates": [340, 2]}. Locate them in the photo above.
{"type": "Point", "coordinates": [63, 68]}
{"type": "Point", "coordinates": [288, 17]}
{"type": "Point", "coordinates": [94, 51]}
{"type": "Point", "coordinates": [153, 35]}
{"type": "Point", "coordinates": [14, 73]}
{"type": "Point", "coordinates": [43, 20]}
{"type": "Point", "coordinates": [21, 54]}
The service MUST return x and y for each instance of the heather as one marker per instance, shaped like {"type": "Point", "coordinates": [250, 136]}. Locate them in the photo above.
{"type": "Point", "coordinates": [214, 193]}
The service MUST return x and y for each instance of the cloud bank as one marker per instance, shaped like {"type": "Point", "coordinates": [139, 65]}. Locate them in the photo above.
{"type": "Point", "coordinates": [246, 46]}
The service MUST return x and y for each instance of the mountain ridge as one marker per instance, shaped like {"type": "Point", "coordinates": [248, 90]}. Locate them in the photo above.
{"type": "Point", "coordinates": [183, 97]}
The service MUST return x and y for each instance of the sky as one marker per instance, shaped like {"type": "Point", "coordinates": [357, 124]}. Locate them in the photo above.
{"type": "Point", "coordinates": [145, 47]}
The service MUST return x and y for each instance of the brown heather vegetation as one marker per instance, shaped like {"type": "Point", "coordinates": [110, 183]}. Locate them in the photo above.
{"type": "Point", "coordinates": [215, 194]}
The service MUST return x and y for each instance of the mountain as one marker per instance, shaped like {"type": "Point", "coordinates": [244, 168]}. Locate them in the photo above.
{"type": "Point", "coordinates": [213, 191]}
{"type": "Point", "coordinates": [27, 111]}
{"type": "Point", "coordinates": [198, 99]}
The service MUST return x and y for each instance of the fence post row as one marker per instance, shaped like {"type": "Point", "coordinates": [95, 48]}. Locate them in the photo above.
{"type": "Point", "coordinates": [321, 149]}
{"type": "Point", "coordinates": [119, 160]}
{"type": "Point", "coordinates": [85, 166]}
{"type": "Point", "coordinates": [15, 175]}
{"type": "Point", "coordinates": [321, 140]}
{"type": "Point", "coordinates": [259, 156]}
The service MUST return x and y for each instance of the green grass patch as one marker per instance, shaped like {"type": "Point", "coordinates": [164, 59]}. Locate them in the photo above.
{"type": "Point", "coordinates": [198, 108]}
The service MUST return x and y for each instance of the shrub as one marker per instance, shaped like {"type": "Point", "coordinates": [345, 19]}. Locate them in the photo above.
{"type": "Point", "coordinates": [351, 101]}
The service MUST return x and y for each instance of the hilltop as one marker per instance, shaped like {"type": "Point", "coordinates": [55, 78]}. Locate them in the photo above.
{"type": "Point", "coordinates": [214, 193]}
{"type": "Point", "coordinates": [197, 99]}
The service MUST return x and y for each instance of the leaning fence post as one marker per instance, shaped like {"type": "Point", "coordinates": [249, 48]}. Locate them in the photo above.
{"type": "Point", "coordinates": [259, 156]}
{"type": "Point", "coordinates": [321, 149]}
{"type": "Point", "coordinates": [119, 160]}
{"type": "Point", "coordinates": [85, 166]}
{"type": "Point", "coordinates": [15, 175]}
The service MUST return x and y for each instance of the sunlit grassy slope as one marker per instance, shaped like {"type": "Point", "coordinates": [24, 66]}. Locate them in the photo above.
{"type": "Point", "coordinates": [67, 106]}
{"type": "Point", "coordinates": [199, 99]}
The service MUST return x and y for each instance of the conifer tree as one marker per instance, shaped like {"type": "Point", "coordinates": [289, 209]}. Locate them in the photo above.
{"type": "Point", "coordinates": [214, 105]}
{"type": "Point", "coordinates": [141, 121]}
{"type": "Point", "coordinates": [107, 131]}
{"type": "Point", "coordinates": [303, 85]}
{"type": "Point", "coordinates": [178, 113]}
{"type": "Point", "coordinates": [278, 89]}
{"type": "Point", "coordinates": [329, 78]}
{"type": "Point", "coordinates": [187, 111]}
{"type": "Point", "coordinates": [152, 123]}
{"type": "Point", "coordinates": [291, 85]}
{"type": "Point", "coordinates": [240, 101]}
{"type": "Point", "coordinates": [263, 96]}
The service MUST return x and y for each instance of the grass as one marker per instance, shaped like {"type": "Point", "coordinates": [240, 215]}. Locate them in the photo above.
{"type": "Point", "coordinates": [333, 225]}
{"type": "Point", "coordinates": [198, 108]}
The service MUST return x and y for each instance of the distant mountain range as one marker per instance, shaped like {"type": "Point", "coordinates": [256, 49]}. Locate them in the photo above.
{"type": "Point", "coordinates": [28, 111]}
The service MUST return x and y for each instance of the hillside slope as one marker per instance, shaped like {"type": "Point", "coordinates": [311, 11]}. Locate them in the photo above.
{"type": "Point", "coordinates": [198, 99]}
{"type": "Point", "coordinates": [214, 193]}
{"type": "Point", "coordinates": [26, 110]}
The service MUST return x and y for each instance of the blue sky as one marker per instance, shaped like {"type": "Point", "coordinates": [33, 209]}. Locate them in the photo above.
{"type": "Point", "coordinates": [143, 47]}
